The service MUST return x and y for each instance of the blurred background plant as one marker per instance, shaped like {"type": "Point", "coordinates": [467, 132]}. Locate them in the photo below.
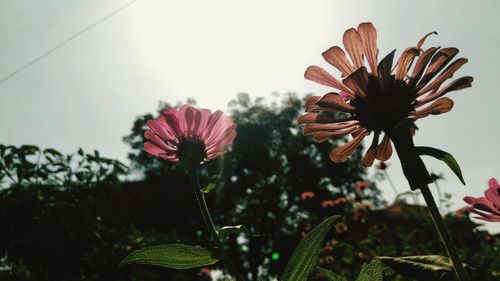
{"type": "Point", "coordinates": [74, 217]}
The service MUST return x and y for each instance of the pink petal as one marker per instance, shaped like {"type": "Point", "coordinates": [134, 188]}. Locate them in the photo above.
{"type": "Point", "coordinates": [446, 74]}
{"type": "Point", "coordinates": [336, 57]}
{"type": "Point", "coordinates": [354, 46]}
{"type": "Point", "coordinates": [384, 149]}
{"type": "Point", "coordinates": [319, 118]}
{"type": "Point", "coordinates": [324, 135]}
{"type": "Point", "coordinates": [368, 35]}
{"type": "Point", "coordinates": [153, 138]}
{"type": "Point", "coordinates": [183, 119]}
{"type": "Point", "coordinates": [440, 106]}
{"type": "Point", "coordinates": [203, 123]}
{"type": "Point", "coordinates": [405, 61]}
{"type": "Point", "coordinates": [368, 158]}
{"type": "Point", "coordinates": [211, 122]}
{"type": "Point", "coordinates": [340, 154]}
{"type": "Point", "coordinates": [483, 204]}
{"type": "Point", "coordinates": [161, 128]}
{"type": "Point", "coordinates": [321, 76]}
{"type": "Point", "coordinates": [493, 183]}
{"type": "Point", "coordinates": [455, 85]}
{"type": "Point", "coordinates": [334, 101]}
{"type": "Point", "coordinates": [438, 62]}
{"type": "Point", "coordinates": [422, 41]}
{"type": "Point", "coordinates": [420, 65]}
{"type": "Point", "coordinates": [313, 128]}
{"type": "Point", "coordinates": [172, 120]}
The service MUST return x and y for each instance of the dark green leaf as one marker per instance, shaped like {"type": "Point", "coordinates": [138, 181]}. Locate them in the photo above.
{"type": "Point", "coordinates": [228, 230]}
{"type": "Point", "coordinates": [373, 271]}
{"type": "Point", "coordinates": [443, 156]}
{"type": "Point", "coordinates": [430, 267]}
{"type": "Point", "coordinates": [176, 256]}
{"type": "Point", "coordinates": [307, 252]}
{"type": "Point", "coordinates": [329, 275]}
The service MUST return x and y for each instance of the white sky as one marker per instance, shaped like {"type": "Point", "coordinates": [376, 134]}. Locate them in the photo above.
{"type": "Point", "coordinates": [88, 93]}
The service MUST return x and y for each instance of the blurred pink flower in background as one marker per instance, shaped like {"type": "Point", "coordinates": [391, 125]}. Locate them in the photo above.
{"type": "Point", "coordinates": [360, 185]}
{"type": "Point", "coordinates": [307, 195]}
{"type": "Point", "coordinates": [488, 207]}
{"type": "Point", "coordinates": [377, 101]}
{"type": "Point", "coordinates": [189, 135]}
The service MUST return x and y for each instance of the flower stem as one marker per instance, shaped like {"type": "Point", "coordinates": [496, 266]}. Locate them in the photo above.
{"type": "Point", "coordinates": [195, 183]}
{"type": "Point", "coordinates": [444, 233]}
{"type": "Point", "coordinates": [418, 177]}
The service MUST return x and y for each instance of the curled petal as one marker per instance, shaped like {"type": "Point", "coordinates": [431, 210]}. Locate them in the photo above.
{"type": "Point", "coordinates": [368, 35]}
{"type": "Point", "coordinates": [321, 76]}
{"type": "Point", "coordinates": [354, 46]}
{"type": "Point", "coordinates": [422, 41]}
{"type": "Point", "coordinates": [493, 183]}
{"type": "Point", "coordinates": [420, 65]}
{"type": "Point", "coordinates": [438, 62]}
{"type": "Point", "coordinates": [385, 65]}
{"type": "Point", "coordinates": [405, 61]}
{"type": "Point", "coordinates": [340, 153]}
{"type": "Point", "coordinates": [334, 101]}
{"type": "Point", "coordinates": [441, 105]}
{"type": "Point", "coordinates": [446, 74]}
{"type": "Point", "coordinates": [161, 128]}
{"type": "Point", "coordinates": [483, 204]}
{"type": "Point", "coordinates": [458, 84]}
{"type": "Point", "coordinates": [336, 57]}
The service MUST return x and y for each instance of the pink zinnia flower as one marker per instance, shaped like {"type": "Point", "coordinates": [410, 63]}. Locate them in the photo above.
{"type": "Point", "coordinates": [488, 207]}
{"type": "Point", "coordinates": [377, 101]}
{"type": "Point", "coordinates": [190, 136]}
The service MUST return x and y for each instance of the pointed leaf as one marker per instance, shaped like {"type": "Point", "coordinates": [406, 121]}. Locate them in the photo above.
{"type": "Point", "coordinates": [228, 230]}
{"type": "Point", "coordinates": [374, 271]}
{"type": "Point", "coordinates": [429, 267]}
{"type": "Point", "coordinates": [443, 156]}
{"type": "Point", "coordinates": [329, 275]}
{"type": "Point", "coordinates": [176, 256]}
{"type": "Point", "coordinates": [307, 252]}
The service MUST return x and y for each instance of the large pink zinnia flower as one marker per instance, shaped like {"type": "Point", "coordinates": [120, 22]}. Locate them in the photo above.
{"type": "Point", "coordinates": [377, 101]}
{"type": "Point", "coordinates": [190, 135]}
{"type": "Point", "coordinates": [488, 207]}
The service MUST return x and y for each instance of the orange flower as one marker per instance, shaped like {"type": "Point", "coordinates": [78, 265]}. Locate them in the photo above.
{"type": "Point", "coordinates": [307, 195]}
{"type": "Point", "coordinates": [360, 185]}
{"type": "Point", "coordinates": [377, 101]}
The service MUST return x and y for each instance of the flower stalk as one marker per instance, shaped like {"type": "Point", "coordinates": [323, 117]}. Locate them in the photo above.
{"type": "Point", "coordinates": [195, 183]}
{"type": "Point", "coordinates": [418, 177]}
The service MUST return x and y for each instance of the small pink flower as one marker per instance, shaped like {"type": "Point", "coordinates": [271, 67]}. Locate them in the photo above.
{"type": "Point", "coordinates": [341, 200]}
{"type": "Point", "coordinates": [488, 207]}
{"type": "Point", "coordinates": [327, 203]}
{"type": "Point", "coordinates": [307, 195]}
{"type": "Point", "coordinates": [360, 185]}
{"type": "Point", "coordinates": [190, 136]}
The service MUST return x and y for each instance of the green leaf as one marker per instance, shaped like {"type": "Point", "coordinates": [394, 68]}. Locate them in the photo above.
{"type": "Point", "coordinates": [307, 252]}
{"type": "Point", "coordinates": [211, 185]}
{"type": "Point", "coordinates": [329, 275]}
{"type": "Point", "coordinates": [443, 156]}
{"type": "Point", "coordinates": [176, 256]}
{"type": "Point", "coordinates": [429, 267]}
{"type": "Point", "coordinates": [373, 271]}
{"type": "Point", "coordinates": [228, 230]}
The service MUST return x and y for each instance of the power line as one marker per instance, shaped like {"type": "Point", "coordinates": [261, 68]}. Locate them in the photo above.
{"type": "Point", "coordinates": [66, 41]}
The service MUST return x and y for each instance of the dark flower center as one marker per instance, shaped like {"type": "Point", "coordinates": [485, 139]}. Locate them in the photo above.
{"type": "Point", "coordinates": [387, 102]}
{"type": "Point", "coordinates": [191, 152]}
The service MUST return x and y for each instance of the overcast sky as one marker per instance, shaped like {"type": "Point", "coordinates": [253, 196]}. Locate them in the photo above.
{"type": "Point", "coordinates": [88, 92]}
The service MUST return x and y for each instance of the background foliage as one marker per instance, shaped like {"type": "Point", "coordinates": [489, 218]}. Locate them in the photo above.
{"type": "Point", "coordinates": [74, 217]}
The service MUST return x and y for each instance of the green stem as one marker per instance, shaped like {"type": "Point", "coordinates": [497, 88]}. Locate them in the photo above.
{"type": "Point", "coordinates": [445, 234]}
{"type": "Point", "coordinates": [418, 177]}
{"type": "Point", "coordinates": [193, 176]}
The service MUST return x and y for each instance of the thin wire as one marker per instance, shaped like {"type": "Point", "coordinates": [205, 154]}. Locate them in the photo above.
{"type": "Point", "coordinates": [66, 41]}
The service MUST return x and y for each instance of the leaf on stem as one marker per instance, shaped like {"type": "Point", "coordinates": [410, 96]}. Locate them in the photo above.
{"type": "Point", "coordinates": [307, 252]}
{"type": "Point", "coordinates": [176, 256]}
{"type": "Point", "coordinates": [443, 156]}
{"type": "Point", "coordinates": [374, 271]}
